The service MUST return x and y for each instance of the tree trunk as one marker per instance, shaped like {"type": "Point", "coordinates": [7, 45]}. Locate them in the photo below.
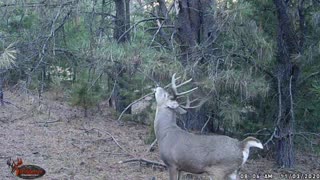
{"type": "Point", "coordinates": [194, 25]}
{"type": "Point", "coordinates": [287, 74]}
{"type": "Point", "coordinates": [122, 24]}
{"type": "Point", "coordinates": [122, 21]}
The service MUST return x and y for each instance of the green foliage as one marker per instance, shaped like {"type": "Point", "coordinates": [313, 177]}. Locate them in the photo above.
{"type": "Point", "coordinates": [85, 93]}
{"type": "Point", "coordinates": [7, 57]}
{"type": "Point", "coordinates": [77, 34]}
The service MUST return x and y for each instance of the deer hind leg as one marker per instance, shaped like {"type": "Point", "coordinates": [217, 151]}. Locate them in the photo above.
{"type": "Point", "coordinates": [179, 175]}
{"type": "Point", "coordinates": [174, 173]}
{"type": "Point", "coordinates": [217, 174]}
{"type": "Point", "coordinates": [233, 176]}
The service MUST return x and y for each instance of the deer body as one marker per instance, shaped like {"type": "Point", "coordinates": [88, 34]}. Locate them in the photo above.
{"type": "Point", "coordinates": [217, 155]}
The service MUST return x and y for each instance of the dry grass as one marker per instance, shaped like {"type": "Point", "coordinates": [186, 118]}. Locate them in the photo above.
{"type": "Point", "coordinates": [56, 137]}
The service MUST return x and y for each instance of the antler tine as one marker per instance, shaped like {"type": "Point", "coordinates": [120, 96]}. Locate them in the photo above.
{"type": "Point", "coordinates": [187, 106]}
{"type": "Point", "coordinates": [174, 86]}
{"type": "Point", "coordinates": [189, 80]}
{"type": "Point", "coordinates": [170, 84]}
{"type": "Point", "coordinates": [186, 92]}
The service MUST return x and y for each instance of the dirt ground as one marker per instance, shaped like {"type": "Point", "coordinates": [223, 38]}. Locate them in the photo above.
{"type": "Point", "coordinates": [56, 137]}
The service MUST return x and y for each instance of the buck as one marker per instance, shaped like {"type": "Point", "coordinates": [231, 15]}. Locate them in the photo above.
{"type": "Point", "coordinates": [217, 156]}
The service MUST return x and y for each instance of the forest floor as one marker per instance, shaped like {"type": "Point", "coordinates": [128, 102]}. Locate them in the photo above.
{"type": "Point", "coordinates": [56, 137]}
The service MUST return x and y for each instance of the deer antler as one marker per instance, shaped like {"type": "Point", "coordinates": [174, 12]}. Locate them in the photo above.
{"type": "Point", "coordinates": [174, 86]}
{"type": "Point", "coordinates": [177, 94]}
{"type": "Point", "coordinates": [188, 103]}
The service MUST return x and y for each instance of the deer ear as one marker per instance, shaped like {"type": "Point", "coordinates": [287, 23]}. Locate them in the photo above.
{"type": "Point", "coordinates": [172, 104]}
{"type": "Point", "coordinates": [175, 106]}
{"type": "Point", "coordinates": [180, 110]}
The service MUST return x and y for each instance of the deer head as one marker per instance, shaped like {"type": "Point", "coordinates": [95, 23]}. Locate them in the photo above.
{"type": "Point", "coordinates": [165, 100]}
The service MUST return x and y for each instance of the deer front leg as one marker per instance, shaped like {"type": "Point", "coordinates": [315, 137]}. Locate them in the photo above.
{"type": "Point", "coordinates": [173, 173]}
{"type": "Point", "coordinates": [179, 175]}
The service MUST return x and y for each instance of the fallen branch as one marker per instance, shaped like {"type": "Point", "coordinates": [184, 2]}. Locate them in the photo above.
{"type": "Point", "coordinates": [47, 122]}
{"type": "Point", "coordinates": [114, 139]}
{"type": "Point", "coordinates": [142, 160]}
{"type": "Point", "coordinates": [10, 103]}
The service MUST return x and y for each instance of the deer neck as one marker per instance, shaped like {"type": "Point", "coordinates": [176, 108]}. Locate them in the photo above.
{"type": "Point", "coordinates": [165, 120]}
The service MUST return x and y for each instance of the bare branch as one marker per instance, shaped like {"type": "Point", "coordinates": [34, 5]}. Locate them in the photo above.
{"type": "Point", "coordinates": [304, 80]}
{"type": "Point", "coordinates": [135, 24]}
{"type": "Point", "coordinates": [114, 139]}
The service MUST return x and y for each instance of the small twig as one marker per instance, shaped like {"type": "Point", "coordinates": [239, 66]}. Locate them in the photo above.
{"type": "Point", "coordinates": [258, 133]}
{"type": "Point", "coordinates": [205, 124]}
{"type": "Point", "coordinates": [303, 81]}
{"type": "Point", "coordinates": [149, 77]}
{"type": "Point", "coordinates": [307, 139]}
{"type": "Point", "coordinates": [154, 163]}
{"type": "Point", "coordinates": [271, 137]}
{"type": "Point", "coordinates": [133, 104]}
{"type": "Point", "coordinates": [114, 86]}
{"type": "Point", "coordinates": [114, 139]}
{"type": "Point", "coordinates": [279, 114]}
{"type": "Point", "coordinates": [135, 24]}
{"type": "Point", "coordinates": [151, 146]}
{"type": "Point", "coordinates": [309, 133]}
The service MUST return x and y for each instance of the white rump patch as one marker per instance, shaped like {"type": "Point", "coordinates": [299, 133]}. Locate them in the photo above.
{"type": "Point", "coordinates": [254, 144]}
{"type": "Point", "coordinates": [233, 176]}
{"type": "Point", "coordinates": [245, 151]}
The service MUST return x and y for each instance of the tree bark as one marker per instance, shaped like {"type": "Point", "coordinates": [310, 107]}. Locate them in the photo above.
{"type": "Point", "coordinates": [122, 24]}
{"type": "Point", "coordinates": [122, 20]}
{"type": "Point", "coordinates": [287, 74]}
{"type": "Point", "coordinates": [195, 25]}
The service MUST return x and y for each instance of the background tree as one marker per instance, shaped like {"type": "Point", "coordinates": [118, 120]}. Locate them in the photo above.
{"type": "Point", "coordinates": [287, 75]}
